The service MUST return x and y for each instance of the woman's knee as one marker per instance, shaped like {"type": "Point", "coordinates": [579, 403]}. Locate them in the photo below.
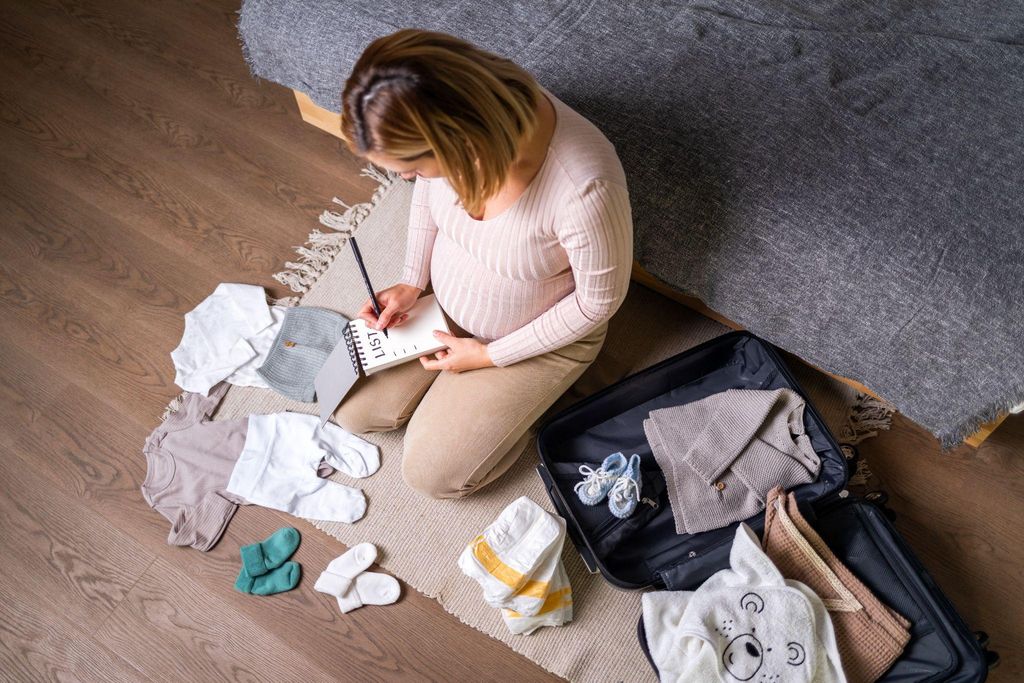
{"type": "Point", "coordinates": [432, 468]}
{"type": "Point", "coordinates": [360, 419]}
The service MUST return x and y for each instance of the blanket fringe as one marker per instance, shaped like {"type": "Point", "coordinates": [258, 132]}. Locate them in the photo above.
{"type": "Point", "coordinates": [319, 251]}
{"type": "Point", "coordinates": [322, 247]}
{"type": "Point", "coordinates": [1009, 403]}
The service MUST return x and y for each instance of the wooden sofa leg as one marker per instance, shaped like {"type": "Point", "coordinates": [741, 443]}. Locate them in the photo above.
{"type": "Point", "coordinates": [315, 115]}
{"type": "Point", "coordinates": [984, 432]}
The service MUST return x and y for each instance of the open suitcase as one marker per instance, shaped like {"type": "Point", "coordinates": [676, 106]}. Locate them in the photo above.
{"type": "Point", "coordinates": [644, 550]}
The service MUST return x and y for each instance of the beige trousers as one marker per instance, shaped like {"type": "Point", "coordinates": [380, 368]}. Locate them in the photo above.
{"type": "Point", "coordinates": [466, 429]}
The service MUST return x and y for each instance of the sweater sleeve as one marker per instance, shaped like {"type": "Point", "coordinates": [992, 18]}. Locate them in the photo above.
{"type": "Point", "coordinates": [596, 232]}
{"type": "Point", "coordinates": [420, 242]}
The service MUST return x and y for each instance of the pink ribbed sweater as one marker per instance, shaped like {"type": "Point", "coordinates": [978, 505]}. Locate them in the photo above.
{"type": "Point", "coordinates": [547, 270]}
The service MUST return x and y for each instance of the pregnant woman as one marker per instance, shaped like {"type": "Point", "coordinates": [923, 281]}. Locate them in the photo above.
{"type": "Point", "coordinates": [520, 222]}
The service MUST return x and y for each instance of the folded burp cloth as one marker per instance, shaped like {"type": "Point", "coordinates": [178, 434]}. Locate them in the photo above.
{"type": "Point", "coordinates": [517, 560]}
{"type": "Point", "coordinates": [505, 556]}
{"type": "Point", "coordinates": [555, 610]}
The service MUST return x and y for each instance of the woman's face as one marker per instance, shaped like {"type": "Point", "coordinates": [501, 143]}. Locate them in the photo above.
{"type": "Point", "coordinates": [425, 166]}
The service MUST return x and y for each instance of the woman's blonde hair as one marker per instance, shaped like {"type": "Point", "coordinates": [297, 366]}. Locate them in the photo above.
{"type": "Point", "coordinates": [415, 93]}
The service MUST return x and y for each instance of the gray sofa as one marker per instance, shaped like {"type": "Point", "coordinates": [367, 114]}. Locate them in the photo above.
{"type": "Point", "coordinates": [845, 180]}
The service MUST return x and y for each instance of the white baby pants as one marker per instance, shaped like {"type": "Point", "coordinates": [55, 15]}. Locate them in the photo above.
{"type": "Point", "coordinates": [278, 467]}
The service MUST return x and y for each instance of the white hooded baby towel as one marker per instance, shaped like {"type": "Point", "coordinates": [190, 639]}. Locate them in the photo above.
{"type": "Point", "coordinates": [745, 623]}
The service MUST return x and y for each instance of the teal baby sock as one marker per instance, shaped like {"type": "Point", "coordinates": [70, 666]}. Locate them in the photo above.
{"type": "Point", "coordinates": [279, 580]}
{"type": "Point", "coordinates": [260, 558]}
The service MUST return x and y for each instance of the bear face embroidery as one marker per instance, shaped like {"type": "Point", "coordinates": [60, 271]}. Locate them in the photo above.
{"type": "Point", "coordinates": [745, 656]}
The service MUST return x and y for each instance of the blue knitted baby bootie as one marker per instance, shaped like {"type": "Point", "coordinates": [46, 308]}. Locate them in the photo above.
{"type": "Point", "coordinates": [597, 483]}
{"type": "Point", "coordinates": [625, 492]}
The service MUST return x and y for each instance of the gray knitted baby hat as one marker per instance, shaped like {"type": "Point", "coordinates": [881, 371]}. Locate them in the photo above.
{"type": "Point", "coordinates": [307, 337]}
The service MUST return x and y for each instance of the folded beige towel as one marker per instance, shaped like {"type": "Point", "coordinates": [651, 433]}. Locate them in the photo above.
{"type": "Point", "coordinates": [869, 634]}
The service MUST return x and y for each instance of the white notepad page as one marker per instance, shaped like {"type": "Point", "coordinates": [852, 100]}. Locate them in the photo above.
{"type": "Point", "coordinates": [412, 339]}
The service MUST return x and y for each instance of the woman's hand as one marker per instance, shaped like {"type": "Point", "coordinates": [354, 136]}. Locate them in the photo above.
{"type": "Point", "coordinates": [461, 355]}
{"type": "Point", "coordinates": [395, 304]}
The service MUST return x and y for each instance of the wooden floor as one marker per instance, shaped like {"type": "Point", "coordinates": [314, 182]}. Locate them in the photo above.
{"type": "Point", "coordinates": [141, 166]}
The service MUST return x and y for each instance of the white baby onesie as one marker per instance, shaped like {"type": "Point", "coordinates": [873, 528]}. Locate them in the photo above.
{"type": "Point", "coordinates": [245, 375]}
{"type": "Point", "coordinates": [278, 467]}
{"type": "Point", "coordinates": [227, 337]}
{"type": "Point", "coordinates": [745, 623]}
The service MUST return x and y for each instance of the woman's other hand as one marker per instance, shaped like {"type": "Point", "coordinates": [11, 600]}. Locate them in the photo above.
{"type": "Point", "coordinates": [395, 303]}
{"type": "Point", "coordinates": [461, 355]}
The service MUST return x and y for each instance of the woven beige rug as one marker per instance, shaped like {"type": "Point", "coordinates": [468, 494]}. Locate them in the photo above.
{"type": "Point", "coordinates": [420, 539]}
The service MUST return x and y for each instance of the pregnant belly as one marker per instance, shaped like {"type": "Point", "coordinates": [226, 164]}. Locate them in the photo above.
{"type": "Point", "coordinates": [487, 304]}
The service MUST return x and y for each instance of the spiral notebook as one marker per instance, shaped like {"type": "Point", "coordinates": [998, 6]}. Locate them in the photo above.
{"type": "Point", "coordinates": [366, 351]}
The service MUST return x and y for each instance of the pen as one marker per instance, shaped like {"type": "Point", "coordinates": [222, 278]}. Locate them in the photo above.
{"type": "Point", "coordinates": [366, 279]}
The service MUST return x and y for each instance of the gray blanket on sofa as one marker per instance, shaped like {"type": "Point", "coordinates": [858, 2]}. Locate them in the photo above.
{"type": "Point", "coordinates": [844, 179]}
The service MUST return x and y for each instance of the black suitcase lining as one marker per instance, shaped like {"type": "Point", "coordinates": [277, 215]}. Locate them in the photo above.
{"type": "Point", "coordinates": [941, 647]}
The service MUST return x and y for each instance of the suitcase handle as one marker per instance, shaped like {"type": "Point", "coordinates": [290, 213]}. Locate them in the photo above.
{"type": "Point", "coordinates": [570, 522]}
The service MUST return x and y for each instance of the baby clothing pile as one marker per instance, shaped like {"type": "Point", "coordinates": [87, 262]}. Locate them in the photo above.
{"type": "Point", "coordinates": [744, 623]}
{"type": "Point", "coordinates": [517, 560]}
{"type": "Point", "coordinates": [235, 337]}
{"type": "Point", "coordinates": [199, 470]}
{"type": "Point", "coordinates": [227, 338]}
{"type": "Point", "coordinates": [792, 612]}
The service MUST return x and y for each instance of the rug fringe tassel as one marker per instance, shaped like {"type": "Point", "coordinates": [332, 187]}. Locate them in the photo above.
{"type": "Point", "coordinates": [288, 301]}
{"type": "Point", "coordinates": [173, 407]}
{"type": "Point", "coordinates": [867, 417]}
{"type": "Point", "coordinates": [321, 248]}
{"type": "Point", "coordinates": [862, 476]}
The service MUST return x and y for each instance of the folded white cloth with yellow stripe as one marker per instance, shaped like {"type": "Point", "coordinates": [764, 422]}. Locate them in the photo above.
{"type": "Point", "coordinates": [517, 560]}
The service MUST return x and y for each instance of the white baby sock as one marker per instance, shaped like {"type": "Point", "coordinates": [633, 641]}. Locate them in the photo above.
{"type": "Point", "coordinates": [370, 588]}
{"type": "Point", "coordinates": [347, 580]}
{"type": "Point", "coordinates": [337, 579]}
